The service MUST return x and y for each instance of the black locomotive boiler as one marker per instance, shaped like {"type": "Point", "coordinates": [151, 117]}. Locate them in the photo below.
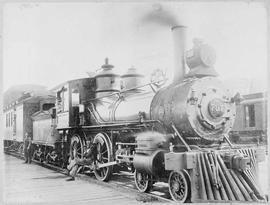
{"type": "Point", "coordinates": [176, 133]}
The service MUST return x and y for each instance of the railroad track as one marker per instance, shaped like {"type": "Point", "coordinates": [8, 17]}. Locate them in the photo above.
{"type": "Point", "coordinates": [122, 181]}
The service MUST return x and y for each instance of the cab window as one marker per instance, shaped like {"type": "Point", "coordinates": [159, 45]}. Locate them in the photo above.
{"type": "Point", "coordinates": [47, 106]}
{"type": "Point", "coordinates": [65, 100]}
{"type": "Point", "coordinates": [75, 98]}
{"type": "Point", "coordinates": [62, 100]}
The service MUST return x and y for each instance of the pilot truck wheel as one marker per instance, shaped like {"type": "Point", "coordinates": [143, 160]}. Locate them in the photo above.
{"type": "Point", "coordinates": [142, 181]}
{"type": "Point", "coordinates": [179, 186]}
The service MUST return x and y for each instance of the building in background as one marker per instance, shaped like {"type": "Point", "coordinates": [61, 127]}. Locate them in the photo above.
{"type": "Point", "coordinates": [250, 125]}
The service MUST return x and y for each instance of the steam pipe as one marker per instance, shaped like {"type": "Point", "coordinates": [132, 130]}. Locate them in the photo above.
{"type": "Point", "coordinates": [179, 44]}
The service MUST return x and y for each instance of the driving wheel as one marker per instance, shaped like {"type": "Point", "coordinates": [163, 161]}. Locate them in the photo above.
{"type": "Point", "coordinates": [76, 147]}
{"type": "Point", "coordinates": [103, 155]}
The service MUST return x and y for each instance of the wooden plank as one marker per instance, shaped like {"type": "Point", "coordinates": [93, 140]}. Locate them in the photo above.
{"type": "Point", "coordinates": [30, 183]}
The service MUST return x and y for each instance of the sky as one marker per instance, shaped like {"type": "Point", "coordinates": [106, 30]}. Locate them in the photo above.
{"type": "Point", "coordinates": [49, 43]}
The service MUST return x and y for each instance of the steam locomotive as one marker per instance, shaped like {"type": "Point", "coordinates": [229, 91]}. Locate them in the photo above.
{"type": "Point", "coordinates": [176, 133]}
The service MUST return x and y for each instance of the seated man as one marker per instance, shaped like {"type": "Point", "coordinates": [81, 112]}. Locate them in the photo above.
{"type": "Point", "coordinates": [89, 157]}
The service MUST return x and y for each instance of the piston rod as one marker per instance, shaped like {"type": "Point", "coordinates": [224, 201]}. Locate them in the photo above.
{"type": "Point", "coordinates": [181, 138]}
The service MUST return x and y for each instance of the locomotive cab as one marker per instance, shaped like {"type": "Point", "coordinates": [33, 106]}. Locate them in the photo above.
{"type": "Point", "coordinates": [71, 99]}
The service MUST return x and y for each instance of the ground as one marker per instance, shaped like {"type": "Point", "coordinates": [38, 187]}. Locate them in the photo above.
{"type": "Point", "coordinates": [32, 184]}
{"type": "Point", "coordinates": [264, 175]}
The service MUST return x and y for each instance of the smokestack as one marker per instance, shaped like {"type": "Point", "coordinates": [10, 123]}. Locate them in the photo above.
{"type": "Point", "coordinates": [179, 41]}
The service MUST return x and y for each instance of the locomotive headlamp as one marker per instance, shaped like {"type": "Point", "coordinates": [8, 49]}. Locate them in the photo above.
{"type": "Point", "coordinates": [200, 55]}
{"type": "Point", "coordinates": [201, 59]}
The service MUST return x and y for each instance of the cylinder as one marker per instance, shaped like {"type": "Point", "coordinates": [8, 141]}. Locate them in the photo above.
{"type": "Point", "coordinates": [151, 164]}
{"type": "Point", "coordinates": [179, 44]}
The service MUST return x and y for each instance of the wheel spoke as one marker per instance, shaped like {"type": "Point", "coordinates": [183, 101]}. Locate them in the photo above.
{"type": "Point", "coordinates": [106, 151]}
{"type": "Point", "coordinates": [101, 146]}
{"type": "Point", "coordinates": [101, 173]}
{"type": "Point", "coordinates": [104, 171]}
{"type": "Point", "coordinates": [98, 147]}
